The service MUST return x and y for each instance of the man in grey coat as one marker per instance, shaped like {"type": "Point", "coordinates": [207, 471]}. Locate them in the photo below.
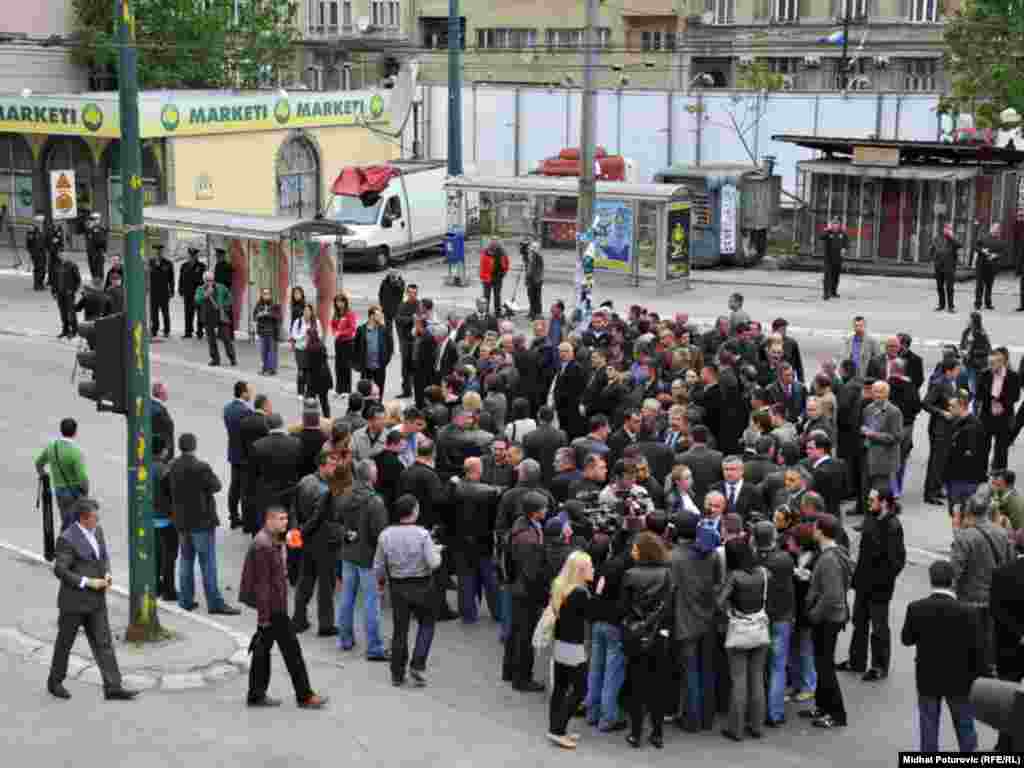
{"type": "Point", "coordinates": [882, 428]}
{"type": "Point", "coordinates": [860, 348]}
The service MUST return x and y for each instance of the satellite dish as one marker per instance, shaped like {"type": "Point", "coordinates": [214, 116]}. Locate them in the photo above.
{"type": "Point", "coordinates": [363, 24]}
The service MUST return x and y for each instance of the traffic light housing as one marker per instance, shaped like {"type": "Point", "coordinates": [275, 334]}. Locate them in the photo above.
{"type": "Point", "coordinates": [105, 358]}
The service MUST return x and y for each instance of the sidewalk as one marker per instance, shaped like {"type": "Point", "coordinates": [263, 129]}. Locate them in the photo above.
{"type": "Point", "coordinates": [197, 653]}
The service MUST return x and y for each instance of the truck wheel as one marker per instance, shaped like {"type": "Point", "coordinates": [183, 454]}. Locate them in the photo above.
{"type": "Point", "coordinates": [383, 260]}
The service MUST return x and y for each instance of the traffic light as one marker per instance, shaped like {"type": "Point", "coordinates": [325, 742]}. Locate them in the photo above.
{"type": "Point", "coordinates": [105, 358]}
{"type": "Point", "coordinates": [1000, 704]}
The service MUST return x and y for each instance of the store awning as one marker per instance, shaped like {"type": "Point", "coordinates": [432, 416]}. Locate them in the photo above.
{"type": "Point", "coordinates": [230, 223]}
{"type": "Point", "coordinates": [916, 172]}
{"type": "Point", "coordinates": [567, 187]}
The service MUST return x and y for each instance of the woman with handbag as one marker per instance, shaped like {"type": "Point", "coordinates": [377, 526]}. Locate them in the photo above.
{"type": "Point", "coordinates": [743, 598]}
{"type": "Point", "coordinates": [645, 601]}
{"type": "Point", "coordinates": [569, 598]}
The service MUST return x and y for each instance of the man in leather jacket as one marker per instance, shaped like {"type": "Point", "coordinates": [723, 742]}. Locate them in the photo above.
{"type": "Point", "coordinates": [528, 585]}
{"type": "Point", "coordinates": [475, 509]}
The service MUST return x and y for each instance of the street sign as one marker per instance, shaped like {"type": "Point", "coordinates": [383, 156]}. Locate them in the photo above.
{"type": "Point", "coordinates": [62, 195]}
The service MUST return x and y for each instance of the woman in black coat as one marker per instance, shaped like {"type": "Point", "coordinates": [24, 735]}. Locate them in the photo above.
{"type": "Point", "coordinates": [318, 379]}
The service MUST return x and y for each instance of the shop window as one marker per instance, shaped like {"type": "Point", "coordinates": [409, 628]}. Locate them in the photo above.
{"type": "Point", "coordinates": [16, 176]}
{"type": "Point", "coordinates": [298, 179]}
{"type": "Point", "coordinates": [71, 153]}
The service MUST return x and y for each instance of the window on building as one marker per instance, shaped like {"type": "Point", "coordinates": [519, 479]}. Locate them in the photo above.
{"type": "Point", "coordinates": [434, 32]}
{"type": "Point", "coordinates": [924, 11]}
{"type": "Point", "coordinates": [298, 179]}
{"type": "Point", "coordinates": [787, 10]}
{"type": "Point", "coordinates": [855, 9]}
{"type": "Point", "coordinates": [346, 14]}
{"type": "Point", "coordinates": [505, 38]}
{"type": "Point", "coordinates": [573, 38]}
{"type": "Point", "coordinates": [386, 14]}
{"type": "Point", "coordinates": [722, 11]}
{"type": "Point", "coordinates": [920, 74]}
{"type": "Point", "coordinates": [785, 66]}
{"type": "Point", "coordinates": [16, 167]}
{"type": "Point", "coordinates": [657, 40]}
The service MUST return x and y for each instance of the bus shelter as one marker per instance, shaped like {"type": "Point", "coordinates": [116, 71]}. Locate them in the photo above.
{"type": "Point", "coordinates": [265, 252]}
{"type": "Point", "coordinates": [643, 230]}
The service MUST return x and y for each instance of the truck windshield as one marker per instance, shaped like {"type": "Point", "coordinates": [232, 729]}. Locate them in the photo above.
{"type": "Point", "coordinates": [350, 210]}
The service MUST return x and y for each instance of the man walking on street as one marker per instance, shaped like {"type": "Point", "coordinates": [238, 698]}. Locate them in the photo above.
{"type": "Point", "coordinates": [265, 588]}
{"type": "Point", "coordinates": [214, 303]}
{"type": "Point", "coordinates": [161, 288]}
{"type": "Point", "coordinates": [190, 279]}
{"type": "Point", "coordinates": [835, 243]}
{"type": "Point", "coordinates": [82, 566]}
{"type": "Point", "coordinates": [529, 582]}
{"type": "Point", "coordinates": [70, 480]}
{"type": "Point", "coordinates": [406, 557]}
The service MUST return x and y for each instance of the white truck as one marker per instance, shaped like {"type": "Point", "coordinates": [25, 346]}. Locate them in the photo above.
{"type": "Point", "coordinates": [409, 216]}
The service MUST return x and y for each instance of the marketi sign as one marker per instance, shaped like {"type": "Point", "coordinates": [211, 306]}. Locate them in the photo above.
{"type": "Point", "coordinates": [97, 114]}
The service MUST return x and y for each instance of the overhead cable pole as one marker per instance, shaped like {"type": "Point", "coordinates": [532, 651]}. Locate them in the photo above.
{"type": "Point", "coordinates": [588, 120]}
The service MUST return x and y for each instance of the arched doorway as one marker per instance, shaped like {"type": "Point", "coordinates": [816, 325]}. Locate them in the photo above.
{"type": "Point", "coordinates": [298, 179]}
{"type": "Point", "coordinates": [16, 169]}
{"type": "Point", "coordinates": [70, 153]}
{"type": "Point", "coordinates": [152, 188]}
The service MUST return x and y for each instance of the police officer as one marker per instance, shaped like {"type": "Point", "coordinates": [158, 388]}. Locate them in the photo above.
{"type": "Point", "coordinates": [835, 243]}
{"type": "Point", "coordinates": [96, 245]}
{"type": "Point", "coordinates": [35, 244]}
{"type": "Point", "coordinates": [190, 277]}
{"type": "Point", "coordinates": [161, 288]}
{"type": "Point", "coordinates": [65, 282]}
{"type": "Point", "coordinates": [53, 238]}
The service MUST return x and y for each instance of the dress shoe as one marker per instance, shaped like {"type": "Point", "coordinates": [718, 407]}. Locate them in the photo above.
{"type": "Point", "coordinates": [774, 723]}
{"type": "Point", "coordinates": [1019, 309]}
{"type": "Point", "coordinates": [827, 722]}
{"type": "Point", "coordinates": [314, 702]}
{"type": "Point", "coordinates": [226, 610]}
{"type": "Point", "coordinates": [448, 615]}
{"type": "Point", "coordinates": [214, 363]}
{"type": "Point", "coordinates": [190, 607]}
{"type": "Point", "coordinates": [531, 686]}
{"type": "Point", "coordinates": [657, 741]}
{"type": "Point", "coordinates": [873, 675]}
{"type": "Point", "coordinates": [989, 306]}
{"type": "Point", "coordinates": [633, 741]}
{"type": "Point", "coordinates": [940, 308]}
{"type": "Point", "coordinates": [754, 733]}
{"type": "Point", "coordinates": [812, 714]}
{"type": "Point", "coordinates": [120, 694]}
{"type": "Point", "coordinates": [299, 626]}
{"type": "Point", "coordinates": [385, 656]}
{"type": "Point", "coordinates": [58, 691]}
{"type": "Point", "coordinates": [845, 666]}
{"type": "Point", "coordinates": [398, 682]}
{"type": "Point", "coordinates": [264, 701]}
{"type": "Point", "coordinates": [835, 295]}
{"type": "Point", "coordinates": [952, 310]}
{"type": "Point", "coordinates": [419, 678]}
{"type": "Point", "coordinates": [327, 632]}
{"type": "Point", "coordinates": [730, 735]}
{"type": "Point", "coordinates": [619, 725]}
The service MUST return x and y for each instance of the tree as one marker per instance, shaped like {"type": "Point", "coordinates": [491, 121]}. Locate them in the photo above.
{"type": "Point", "coordinates": [195, 43]}
{"type": "Point", "coordinates": [984, 41]}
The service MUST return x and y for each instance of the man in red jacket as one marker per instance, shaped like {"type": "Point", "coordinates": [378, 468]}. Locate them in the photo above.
{"type": "Point", "coordinates": [265, 587]}
{"type": "Point", "coordinates": [494, 264]}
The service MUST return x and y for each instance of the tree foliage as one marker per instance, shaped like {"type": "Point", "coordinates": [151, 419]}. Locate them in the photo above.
{"type": "Point", "coordinates": [195, 43]}
{"type": "Point", "coordinates": [985, 60]}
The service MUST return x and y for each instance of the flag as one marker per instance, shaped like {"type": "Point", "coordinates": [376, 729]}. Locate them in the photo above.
{"type": "Point", "coordinates": [836, 38]}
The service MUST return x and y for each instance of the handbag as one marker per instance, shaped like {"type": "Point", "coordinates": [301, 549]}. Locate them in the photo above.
{"type": "Point", "coordinates": [640, 632]}
{"type": "Point", "coordinates": [747, 631]}
{"type": "Point", "coordinates": [544, 632]}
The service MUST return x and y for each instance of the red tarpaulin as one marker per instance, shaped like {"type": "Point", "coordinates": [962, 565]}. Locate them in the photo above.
{"type": "Point", "coordinates": [358, 181]}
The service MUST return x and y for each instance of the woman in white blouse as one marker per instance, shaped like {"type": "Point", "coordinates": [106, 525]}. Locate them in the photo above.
{"type": "Point", "coordinates": [297, 337]}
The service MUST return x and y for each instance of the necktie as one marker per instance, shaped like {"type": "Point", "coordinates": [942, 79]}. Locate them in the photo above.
{"type": "Point", "coordinates": [732, 495]}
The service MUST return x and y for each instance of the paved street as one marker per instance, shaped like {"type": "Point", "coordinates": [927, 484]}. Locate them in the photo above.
{"type": "Point", "coordinates": [466, 717]}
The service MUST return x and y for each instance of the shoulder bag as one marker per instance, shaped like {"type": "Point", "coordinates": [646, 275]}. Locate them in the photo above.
{"type": "Point", "coordinates": [544, 632]}
{"type": "Point", "coordinates": [749, 630]}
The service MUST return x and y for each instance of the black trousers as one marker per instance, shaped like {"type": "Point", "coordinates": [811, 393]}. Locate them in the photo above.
{"type": "Point", "coordinates": [317, 570]}
{"type": "Point", "coordinates": [938, 452]}
{"type": "Point", "coordinates": [159, 309]}
{"type": "Point", "coordinates": [279, 631]}
{"type": "Point", "coordinates": [517, 665]}
{"type": "Point", "coordinates": [38, 271]}
{"type": "Point", "coordinates": [97, 632]}
{"type": "Point", "coordinates": [870, 619]}
{"type": "Point", "coordinates": [986, 276]}
{"type": "Point", "coordinates": [236, 490]}
{"type": "Point", "coordinates": [830, 278]}
{"type": "Point", "coordinates": [227, 336]}
{"type": "Point", "coordinates": [193, 320]}
{"type": "Point", "coordinates": [405, 349]}
{"type": "Point", "coordinates": [829, 696]}
{"type": "Point", "coordinates": [645, 675]}
{"type": "Point", "coordinates": [378, 377]}
{"type": "Point", "coordinates": [493, 288]}
{"type": "Point", "coordinates": [412, 598]}
{"type": "Point", "coordinates": [945, 283]}
{"type": "Point", "coordinates": [96, 257]}
{"type": "Point", "coordinates": [68, 318]}
{"type": "Point", "coordinates": [533, 293]}
{"type": "Point", "coordinates": [570, 686]}
{"type": "Point", "coordinates": [166, 558]}
{"type": "Point", "coordinates": [344, 354]}
{"type": "Point", "coordinates": [998, 430]}
{"type": "Point", "coordinates": [702, 649]}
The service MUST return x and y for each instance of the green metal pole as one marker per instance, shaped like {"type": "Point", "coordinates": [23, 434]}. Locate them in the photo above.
{"type": "Point", "coordinates": [144, 624]}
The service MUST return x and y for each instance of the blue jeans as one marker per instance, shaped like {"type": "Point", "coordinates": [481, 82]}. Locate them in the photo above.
{"type": "Point", "coordinates": [607, 673]}
{"type": "Point", "coordinates": [268, 353]}
{"type": "Point", "coordinates": [781, 635]}
{"type": "Point", "coordinates": [930, 708]}
{"type": "Point", "coordinates": [505, 612]}
{"type": "Point", "coordinates": [352, 578]}
{"type": "Point", "coordinates": [802, 670]}
{"type": "Point", "coordinates": [201, 545]}
{"type": "Point", "coordinates": [477, 574]}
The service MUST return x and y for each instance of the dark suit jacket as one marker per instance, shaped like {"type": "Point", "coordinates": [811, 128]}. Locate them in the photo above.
{"type": "Point", "coordinates": [830, 481]}
{"type": "Point", "coordinates": [274, 461]}
{"type": "Point", "coordinates": [568, 397]}
{"type": "Point", "coordinates": [948, 639]}
{"type": "Point", "coordinates": [312, 442]}
{"type": "Point", "coordinates": [877, 366]}
{"type": "Point", "coordinates": [706, 466]}
{"type": "Point", "coordinates": [75, 559]}
{"type": "Point", "coordinates": [795, 403]}
{"type": "Point", "coordinates": [1008, 397]}
{"type": "Point", "coordinates": [748, 500]}
{"type": "Point", "coordinates": [250, 429]}
{"type": "Point", "coordinates": [163, 424]}
{"type": "Point", "coordinates": [192, 484]}
{"type": "Point", "coordinates": [618, 442]}
{"type": "Point", "coordinates": [1006, 604]}
{"type": "Point", "coordinates": [660, 459]}
{"type": "Point", "coordinates": [541, 445]}
{"type": "Point", "coordinates": [757, 468]}
{"type": "Point", "coordinates": [234, 412]}
{"type": "Point", "coordinates": [915, 368]}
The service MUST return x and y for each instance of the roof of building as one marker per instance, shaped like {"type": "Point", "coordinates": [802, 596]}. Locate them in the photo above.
{"type": "Point", "coordinates": [567, 187]}
{"type": "Point", "coordinates": [921, 152]}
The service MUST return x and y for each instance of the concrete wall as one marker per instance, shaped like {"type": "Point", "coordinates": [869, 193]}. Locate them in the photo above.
{"type": "Point", "coordinates": [41, 17]}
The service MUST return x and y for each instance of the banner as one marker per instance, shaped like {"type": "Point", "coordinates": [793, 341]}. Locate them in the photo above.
{"type": "Point", "coordinates": [727, 232]}
{"type": "Point", "coordinates": [24, 204]}
{"type": "Point", "coordinates": [63, 195]}
{"type": "Point", "coordinates": [615, 243]}
{"type": "Point", "coordinates": [678, 240]}
{"type": "Point", "coordinates": [67, 116]}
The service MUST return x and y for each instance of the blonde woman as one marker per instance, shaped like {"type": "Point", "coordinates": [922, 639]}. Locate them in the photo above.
{"type": "Point", "coordinates": [392, 414]}
{"type": "Point", "coordinates": [570, 596]}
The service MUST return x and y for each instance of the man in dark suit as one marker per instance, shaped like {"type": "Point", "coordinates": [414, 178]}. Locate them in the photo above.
{"type": "Point", "coordinates": [82, 566]}
{"type": "Point", "coordinates": [274, 463]}
{"type": "Point", "coordinates": [741, 498]}
{"type": "Point", "coordinates": [251, 427]}
{"type": "Point", "coordinates": [940, 429]}
{"type": "Point", "coordinates": [542, 443]}
{"type": "Point", "coordinates": [828, 473]}
{"type": "Point", "coordinates": [915, 365]}
{"type": "Point", "coordinates": [949, 658]}
{"type": "Point", "coordinates": [567, 392]}
{"type": "Point", "coordinates": [192, 485]}
{"type": "Point", "coordinates": [627, 435]}
{"type": "Point", "coordinates": [705, 464]}
{"type": "Point", "coordinates": [904, 395]}
{"type": "Point", "coordinates": [1006, 605]}
{"type": "Point", "coordinates": [789, 392]}
{"type": "Point", "coordinates": [998, 391]}
{"type": "Point", "coordinates": [712, 402]}
{"type": "Point", "coordinates": [881, 366]}
{"type": "Point", "coordinates": [234, 413]}
{"type": "Point", "coordinates": [757, 467]}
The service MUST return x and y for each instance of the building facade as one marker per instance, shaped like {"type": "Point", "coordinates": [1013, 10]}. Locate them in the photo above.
{"type": "Point", "coordinates": [30, 56]}
{"type": "Point", "coordinates": [892, 45]}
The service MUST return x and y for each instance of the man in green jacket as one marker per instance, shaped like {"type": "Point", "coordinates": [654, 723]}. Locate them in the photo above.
{"type": "Point", "coordinates": [69, 480]}
{"type": "Point", "coordinates": [213, 301]}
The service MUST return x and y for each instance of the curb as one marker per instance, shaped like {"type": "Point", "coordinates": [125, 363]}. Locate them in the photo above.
{"type": "Point", "coordinates": [82, 668]}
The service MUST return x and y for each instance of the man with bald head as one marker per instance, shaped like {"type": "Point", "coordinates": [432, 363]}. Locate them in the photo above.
{"type": "Point", "coordinates": [881, 366]}
{"type": "Point", "coordinates": [566, 394]}
{"type": "Point", "coordinates": [882, 429]}
{"type": "Point", "coordinates": [476, 505]}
